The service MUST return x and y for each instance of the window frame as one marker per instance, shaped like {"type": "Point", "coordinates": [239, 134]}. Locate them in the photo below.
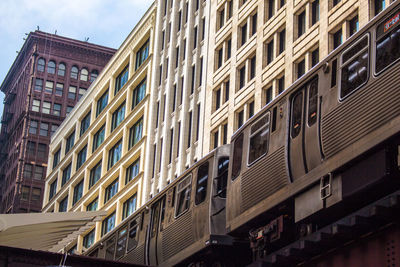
{"type": "Point", "coordinates": [188, 179]}
{"type": "Point", "coordinates": [201, 197]}
{"type": "Point", "coordinates": [266, 126]}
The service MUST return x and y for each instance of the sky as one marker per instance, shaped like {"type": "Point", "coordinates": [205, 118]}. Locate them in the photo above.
{"type": "Point", "coordinates": [104, 22]}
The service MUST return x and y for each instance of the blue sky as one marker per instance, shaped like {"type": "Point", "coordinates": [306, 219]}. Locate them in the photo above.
{"type": "Point", "coordinates": [105, 22]}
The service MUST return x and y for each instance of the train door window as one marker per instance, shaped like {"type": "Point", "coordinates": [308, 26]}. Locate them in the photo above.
{"type": "Point", "coordinates": [133, 232]}
{"type": "Point", "coordinates": [388, 42]}
{"type": "Point", "coordinates": [121, 242]}
{"type": "Point", "coordinates": [312, 101]}
{"type": "Point", "coordinates": [237, 156]}
{"type": "Point", "coordinates": [201, 186]}
{"type": "Point", "coordinates": [222, 178]}
{"type": "Point", "coordinates": [110, 248]}
{"type": "Point", "coordinates": [183, 195]}
{"type": "Point", "coordinates": [259, 138]}
{"type": "Point", "coordinates": [354, 67]}
{"type": "Point", "coordinates": [297, 112]}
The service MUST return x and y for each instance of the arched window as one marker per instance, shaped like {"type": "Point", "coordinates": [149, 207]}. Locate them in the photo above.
{"type": "Point", "coordinates": [94, 75]}
{"type": "Point", "coordinates": [41, 64]}
{"type": "Point", "coordinates": [61, 69]}
{"type": "Point", "coordinates": [84, 75]}
{"type": "Point", "coordinates": [74, 72]}
{"type": "Point", "coordinates": [51, 67]}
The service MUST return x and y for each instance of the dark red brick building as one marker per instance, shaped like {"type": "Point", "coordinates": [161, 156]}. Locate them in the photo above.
{"type": "Point", "coordinates": [44, 83]}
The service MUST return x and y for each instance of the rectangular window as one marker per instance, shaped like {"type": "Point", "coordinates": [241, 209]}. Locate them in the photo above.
{"type": "Point", "coordinates": [31, 148]}
{"type": "Point", "coordinates": [379, 6]}
{"type": "Point", "coordinates": [118, 116]}
{"type": "Point", "coordinates": [337, 38]}
{"type": "Point", "coordinates": [129, 207]}
{"type": "Point", "coordinates": [219, 57]}
{"type": "Point", "coordinates": [203, 28]}
{"type": "Point", "coordinates": [270, 51]}
{"type": "Point", "coordinates": [198, 122]}
{"type": "Point", "coordinates": [225, 134]}
{"type": "Point", "coordinates": [85, 123]}
{"type": "Point", "coordinates": [44, 129]}
{"type": "Point", "coordinates": [63, 205]}
{"type": "Point", "coordinates": [69, 109]}
{"type": "Point", "coordinates": [49, 87]}
{"type": "Point", "coordinates": [78, 192]}
{"type": "Point", "coordinates": [315, 12]}
{"type": "Point", "coordinates": [88, 239]}
{"type": "Point", "coordinates": [102, 103]}
{"type": "Point", "coordinates": [92, 205]}
{"type": "Point", "coordinates": [72, 92]}
{"type": "Point", "coordinates": [179, 20]}
{"type": "Point", "coordinates": [251, 109]}
{"type": "Point", "coordinates": [240, 118]}
{"type": "Point", "coordinates": [132, 171]}
{"type": "Point", "coordinates": [171, 143]}
{"type": "Point", "coordinates": [39, 171]}
{"type": "Point", "coordinates": [243, 34]}
{"type": "Point", "coordinates": [42, 151]}
{"type": "Point", "coordinates": [54, 128]}
{"type": "Point", "coordinates": [282, 41]}
{"type": "Point", "coordinates": [195, 37]}
{"type": "Point", "coordinates": [215, 134]}
{"type": "Point", "coordinates": [95, 174]}
{"type": "Point", "coordinates": [111, 190]}
{"type": "Point", "coordinates": [189, 140]}
{"type": "Point", "coordinates": [108, 224]}
{"type": "Point", "coordinates": [28, 169]}
{"type": "Point", "coordinates": [70, 142]}
{"type": "Point", "coordinates": [115, 154]}
{"type": "Point", "coordinates": [242, 76]}
{"type": "Point", "coordinates": [228, 49]}
{"type": "Point", "coordinates": [353, 25]}
{"type": "Point", "coordinates": [301, 23]}
{"type": "Point", "coordinates": [271, 8]}
{"type": "Point", "coordinates": [252, 67]}
{"type": "Point", "coordinates": [81, 92]}
{"type": "Point", "coordinates": [259, 138]}
{"type": "Point", "coordinates": [268, 95]}
{"type": "Point", "coordinates": [135, 133]}
{"type": "Point", "coordinates": [25, 193]}
{"type": "Point", "coordinates": [221, 18]}
{"type": "Point", "coordinates": [121, 79]}
{"type": "Point", "coordinates": [38, 84]}
{"type": "Point", "coordinates": [226, 90]}
{"type": "Point", "coordinates": [98, 137]}
{"type": "Point", "coordinates": [193, 79]}
{"type": "Point", "coordinates": [281, 84]}
{"type": "Point", "coordinates": [183, 195]}
{"type": "Point", "coordinates": [53, 189]}
{"type": "Point", "coordinates": [81, 157]}
{"type": "Point", "coordinates": [176, 57]}
{"type": "Point", "coordinates": [56, 158]}
{"type": "Point", "coordinates": [335, 2]}
{"type": "Point", "coordinates": [174, 99]}
{"type": "Point", "coordinates": [46, 107]}
{"type": "Point", "coordinates": [217, 95]}
{"type": "Point", "coordinates": [315, 57]}
{"type": "Point", "coordinates": [57, 109]}
{"type": "Point", "coordinates": [254, 24]}
{"type": "Point", "coordinates": [66, 175]}
{"type": "Point", "coordinates": [36, 105]}
{"type": "Point", "coordinates": [301, 68]}
{"type": "Point", "coordinates": [201, 185]}
{"type": "Point", "coordinates": [59, 89]}
{"type": "Point", "coordinates": [142, 54]}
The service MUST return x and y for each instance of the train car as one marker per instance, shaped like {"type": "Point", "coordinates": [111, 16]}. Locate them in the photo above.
{"type": "Point", "coordinates": [323, 148]}
{"type": "Point", "coordinates": [181, 224]}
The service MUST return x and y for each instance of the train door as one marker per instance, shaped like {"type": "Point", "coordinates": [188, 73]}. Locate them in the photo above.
{"type": "Point", "coordinates": [304, 153]}
{"type": "Point", "coordinates": [154, 244]}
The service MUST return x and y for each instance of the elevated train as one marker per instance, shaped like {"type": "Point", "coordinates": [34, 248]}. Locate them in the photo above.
{"type": "Point", "coordinates": [323, 149]}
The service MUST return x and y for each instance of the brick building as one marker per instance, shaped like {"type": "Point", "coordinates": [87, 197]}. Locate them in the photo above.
{"type": "Point", "coordinates": [46, 80]}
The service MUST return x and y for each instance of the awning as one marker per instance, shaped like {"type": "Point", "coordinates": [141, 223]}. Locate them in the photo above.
{"type": "Point", "coordinates": [45, 231]}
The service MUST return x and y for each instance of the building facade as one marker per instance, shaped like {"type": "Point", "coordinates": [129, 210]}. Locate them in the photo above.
{"type": "Point", "coordinates": [260, 47]}
{"type": "Point", "coordinates": [45, 82]}
{"type": "Point", "coordinates": [97, 156]}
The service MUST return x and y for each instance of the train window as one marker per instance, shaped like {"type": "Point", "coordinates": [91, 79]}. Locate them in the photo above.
{"type": "Point", "coordinates": [110, 248]}
{"type": "Point", "coordinates": [222, 178]}
{"type": "Point", "coordinates": [183, 195]}
{"type": "Point", "coordinates": [297, 113]}
{"type": "Point", "coordinates": [334, 73]}
{"type": "Point", "coordinates": [259, 138]}
{"type": "Point", "coordinates": [274, 112]}
{"type": "Point", "coordinates": [388, 43]}
{"type": "Point", "coordinates": [121, 242]}
{"type": "Point", "coordinates": [312, 101]}
{"type": "Point", "coordinates": [132, 240]}
{"type": "Point", "coordinates": [354, 70]}
{"type": "Point", "coordinates": [237, 157]}
{"type": "Point", "coordinates": [201, 186]}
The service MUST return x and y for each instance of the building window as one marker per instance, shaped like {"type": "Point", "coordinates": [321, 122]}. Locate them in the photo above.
{"type": "Point", "coordinates": [129, 207]}
{"type": "Point", "coordinates": [57, 109]}
{"type": "Point", "coordinates": [74, 72]}
{"type": "Point", "coordinates": [25, 193]}
{"type": "Point", "coordinates": [301, 68]}
{"type": "Point", "coordinates": [46, 107]}
{"type": "Point", "coordinates": [72, 92]}
{"type": "Point", "coordinates": [51, 67]}
{"type": "Point", "coordinates": [49, 87]}
{"type": "Point", "coordinates": [98, 138]}
{"type": "Point", "coordinates": [63, 205]}
{"type": "Point", "coordinates": [270, 6]}
{"type": "Point", "coordinates": [270, 51]}
{"type": "Point", "coordinates": [88, 239]}
{"type": "Point", "coordinates": [252, 73]}
{"type": "Point", "coordinates": [36, 105]}
{"type": "Point", "coordinates": [70, 142]}
{"type": "Point", "coordinates": [215, 137]}
{"type": "Point", "coordinates": [56, 158]}
{"type": "Point", "coordinates": [243, 34]}
{"type": "Point", "coordinates": [92, 205]}
{"type": "Point", "coordinates": [268, 94]}
{"type": "Point", "coordinates": [281, 84]}
{"type": "Point", "coordinates": [38, 84]}
{"type": "Point", "coordinates": [66, 175]}
{"type": "Point", "coordinates": [84, 75]}
{"type": "Point", "coordinates": [41, 65]}
{"type": "Point", "coordinates": [102, 103]}
{"type": "Point", "coordinates": [221, 18]}
{"type": "Point", "coordinates": [81, 92]}
{"type": "Point", "coordinates": [28, 169]}
{"type": "Point", "coordinates": [61, 70]}
{"type": "Point", "coordinates": [314, 57]}
{"type": "Point", "coordinates": [142, 54]}
{"type": "Point", "coordinates": [95, 174]}
{"type": "Point", "coordinates": [314, 12]}
{"type": "Point", "coordinates": [53, 189]}
{"type": "Point", "coordinates": [54, 128]}
{"type": "Point", "coordinates": [282, 41]}
{"type": "Point", "coordinates": [353, 25]}
{"type": "Point", "coordinates": [93, 75]}
{"type": "Point", "coordinates": [195, 37]}
{"type": "Point", "coordinates": [251, 109]}
{"type": "Point", "coordinates": [81, 157]}
{"type": "Point", "coordinates": [59, 89]}
{"type": "Point", "coordinates": [69, 109]}
{"type": "Point", "coordinates": [31, 148]}
{"type": "Point", "coordinates": [42, 151]}
{"type": "Point", "coordinates": [78, 192]}
{"type": "Point", "coordinates": [138, 93]}
{"type": "Point", "coordinates": [379, 6]}
{"type": "Point", "coordinates": [118, 116]}
{"type": "Point", "coordinates": [111, 190]}
{"type": "Point", "coordinates": [39, 171]}
{"type": "Point", "coordinates": [253, 24]}
{"type": "Point", "coordinates": [108, 224]}
{"type": "Point", "coordinates": [85, 123]}
{"type": "Point", "coordinates": [121, 79]}
{"type": "Point", "coordinates": [132, 171]}
{"type": "Point", "coordinates": [135, 133]}
{"type": "Point", "coordinates": [337, 38]}
{"type": "Point", "coordinates": [217, 97]}
{"type": "Point", "coordinates": [114, 154]}
{"type": "Point", "coordinates": [44, 129]}
{"type": "Point", "coordinates": [242, 76]}
{"type": "Point", "coordinates": [240, 118]}
{"type": "Point", "coordinates": [301, 23]}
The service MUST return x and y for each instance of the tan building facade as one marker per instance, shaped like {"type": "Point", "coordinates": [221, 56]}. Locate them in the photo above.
{"type": "Point", "coordinates": [97, 155]}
